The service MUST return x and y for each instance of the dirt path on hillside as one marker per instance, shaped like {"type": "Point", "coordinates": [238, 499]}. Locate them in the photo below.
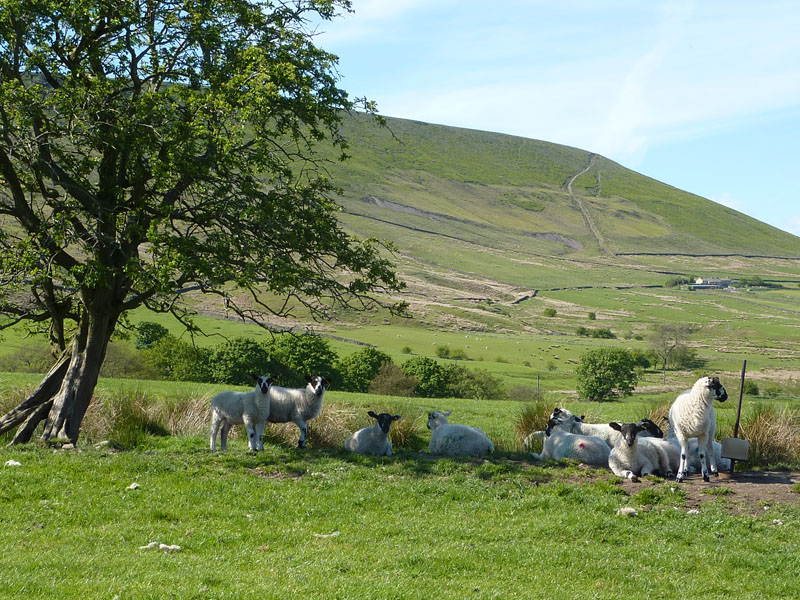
{"type": "Point", "coordinates": [586, 216]}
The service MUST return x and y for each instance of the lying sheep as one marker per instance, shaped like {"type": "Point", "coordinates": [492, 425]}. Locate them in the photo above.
{"type": "Point", "coordinates": [559, 444]}
{"type": "Point", "coordinates": [456, 440]}
{"type": "Point", "coordinates": [601, 430]}
{"type": "Point", "coordinates": [692, 415]}
{"type": "Point", "coordinates": [632, 457]}
{"type": "Point", "coordinates": [297, 405]}
{"type": "Point", "coordinates": [234, 408]}
{"type": "Point", "coordinates": [373, 440]}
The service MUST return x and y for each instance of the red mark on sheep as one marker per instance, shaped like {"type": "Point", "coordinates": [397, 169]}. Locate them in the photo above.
{"type": "Point", "coordinates": [581, 445]}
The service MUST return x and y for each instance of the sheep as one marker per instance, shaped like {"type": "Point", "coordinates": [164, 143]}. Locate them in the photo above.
{"type": "Point", "coordinates": [234, 408]}
{"type": "Point", "coordinates": [456, 440]}
{"type": "Point", "coordinates": [692, 415]}
{"type": "Point", "coordinates": [632, 457]}
{"type": "Point", "coordinates": [559, 444]}
{"type": "Point", "coordinates": [693, 460]}
{"type": "Point", "coordinates": [298, 405]}
{"type": "Point", "coordinates": [373, 440]}
{"type": "Point", "coordinates": [601, 430]}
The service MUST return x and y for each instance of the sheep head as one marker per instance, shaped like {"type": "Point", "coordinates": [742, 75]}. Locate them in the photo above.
{"type": "Point", "coordinates": [436, 418]}
{"type": "Point", "coordinates": [384, 420]}
{"type": "Point", "coordinates": [713, 387]}
{"type": "Point", "coordinates": [628, 431]}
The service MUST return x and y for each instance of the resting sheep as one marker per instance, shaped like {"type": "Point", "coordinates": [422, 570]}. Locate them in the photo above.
{"type": "Point", "coordinates": [692, 415]}
{"type": "Point", "coordinates": [297, 405]}
{"type": "Point", "coordinates": [373, 440]}
{"type": "Point", "coordinates": [601, 430]}
{"type": "Point", "coordinates": [456, 440]}
{"type": "Point", "coordinates": [234, 408]}
{"type": "Point", "coordinates": [559, 444]}
{"type": "Point", "coordinates": [632, 457]}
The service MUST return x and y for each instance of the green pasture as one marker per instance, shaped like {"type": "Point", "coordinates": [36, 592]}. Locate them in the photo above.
{"type": "Point", "coordinates": [320, 523]}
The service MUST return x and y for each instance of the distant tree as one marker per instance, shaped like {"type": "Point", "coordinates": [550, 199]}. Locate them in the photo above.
{"type": "Point", "coordinates": [392, 381]}
{"type": "Point", "coordinates": [592, 316]}
{"type": "Point", "coordinates": [605, 374]}
{"type": "Point", "coordinates": [667, 340]}
{"type": "Point", "coordinates": [148, 333]}
{"type": "Point", "coordinates": [430, 375]}
{"type": "Point", "coordinates": [151, 149]}
{"type": "Point", "coordinates": [549, 312]}
{"type": "Point", "coordinates": [303, 355]}
{"type": "Point", "coordinates": [361, 367]}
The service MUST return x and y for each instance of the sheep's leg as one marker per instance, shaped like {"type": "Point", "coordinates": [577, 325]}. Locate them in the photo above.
{"type": "Point", "coordinates": [630, 475]}
{"type": "Point", "coordinates": [301, 425]}
{"type": "Point", "coordinates": [684, 456]}
{"type": "Point", "coordinates": [260, 435]}
{"type": "Point", "coordinates": [215, 423]}
{"type": "Point", "coordinates": [252, 443]}
{"type": "Point", "coordinates": [223, 436]}
{"type": "Point", "coordinates": [712, 458]}
{"type": "Point", "coordinates": [702, 448]}
{"type": "Point", "coordinates": [663, 463]}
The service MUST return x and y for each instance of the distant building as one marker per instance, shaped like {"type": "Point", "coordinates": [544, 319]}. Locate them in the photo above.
{"type": "Point", "coordinates": [712, 283]}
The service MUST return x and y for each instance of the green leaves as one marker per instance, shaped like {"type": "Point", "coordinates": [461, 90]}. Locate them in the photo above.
{"type": "Point", "coordinates": [606, 374]}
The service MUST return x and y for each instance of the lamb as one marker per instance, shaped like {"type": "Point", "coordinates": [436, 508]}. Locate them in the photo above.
{"type": "Point", "coordinates": [373, 440]}
{"type": "Point", "coordinates": [692, 415]}
{"type": "Point", "coordinates": [456, 440]}
{"type": "Point", "coordinates": [632, 457]}
{"type": "Point", "coordinates": [234, 408]}
{"type": "Point", "coordinates": [298, 405]}
{"type": "Point", "coordinates": [601, 430]}
{"type": "Point", "coordinates": [559, 444]}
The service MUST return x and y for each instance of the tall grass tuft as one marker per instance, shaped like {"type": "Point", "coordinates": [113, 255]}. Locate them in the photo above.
{"type": "Point", "coordinates": [659, 414]}
{"type": "Point", "coordinates": [125, 420]}
{"type": "Point", "coordinates": [532, 417]}
{"type": "Point", "coordinates": [774, 436]}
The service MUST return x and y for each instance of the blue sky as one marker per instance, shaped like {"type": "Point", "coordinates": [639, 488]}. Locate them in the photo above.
{"type": "Point", "coordinates": [703, 95]}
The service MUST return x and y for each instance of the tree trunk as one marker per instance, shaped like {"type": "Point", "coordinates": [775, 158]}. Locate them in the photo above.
{"type": "Point", "coordinates": [88, 352]}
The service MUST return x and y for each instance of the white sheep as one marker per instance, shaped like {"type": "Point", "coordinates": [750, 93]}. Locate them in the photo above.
{"type": "Point", "coordinates": [632, 457]}
{"type": "Point", "coordinates": [560, 443]}
{"type": "Point", "coordinates": [693, 459]}
{"type": "Point", "coordinates": [692, 415]}
{"type": "Point", "coordinates": [373, 440]}
{"type": "Point", "coordinates": [601, 430]}
{"type": "Point", "coordinates": [297, 405]}
{"type": "Point", "coordinates": [235, 408]}
{"type": "Point", "coordinates": [456, 440]}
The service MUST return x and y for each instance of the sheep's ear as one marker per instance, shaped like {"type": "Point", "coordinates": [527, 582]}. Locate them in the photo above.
{"type": "Point", "coordinates": [448, 413]}
{"type": "Point", "coordinates": [372, 414]}
{"type": "Point", "coordinates": [616, 426]}
{"type": "Point", "coordinates": [556, 411]}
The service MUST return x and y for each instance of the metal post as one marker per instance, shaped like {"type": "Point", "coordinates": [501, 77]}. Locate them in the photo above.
{"type": "Point", "coordinates": [738, 411]}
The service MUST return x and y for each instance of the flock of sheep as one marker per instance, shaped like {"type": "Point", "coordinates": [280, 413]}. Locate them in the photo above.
{"type": "Point", "coordinates": [630, 450]}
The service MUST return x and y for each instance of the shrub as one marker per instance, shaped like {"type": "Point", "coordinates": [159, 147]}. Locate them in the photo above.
{"type": "Point", "coordinates": [148, 333]}
{"type": "Point", "coordinates": [773, 390]}
{"type": "Point", "coordinates": [442, 351]}
{"type": "Point", "coordinates": [235, 362]}
{"type": "Point", "coordinates": [592, 316]}
{"type": "Point", "coordinates": [31, 358]}
{"type": "Point", "coordinates": [180, 361]}
{"type": "Point", "coordinates": [583, 331]}
{"type": "Point", "coordinates": [773, 435]}
{"type": "Point", "coordinates": [123, 362]}
{"type": "Point", "coordinates": [392, 381]}
{"type": "Point", "coordinates": [405, 350]}
{"type": "Point", "coordinates": [473, 383]}
{"type": "Point", "coordinates": [605, 374]}
{"type": "Point", "coordinates": [304, 355]}
{"type": "Point", "coordinates": [430, 375]}
{"type": "Point", "coordinates": [640, 358]}
{"type": "Point", "coordinates": [360, 368]}
{"type": "Point", "coordinates": [603, 333]}
{"type": "Point", "coordinates": [750, 387]}
{"type": "Point", "coordinates": [549, 312]}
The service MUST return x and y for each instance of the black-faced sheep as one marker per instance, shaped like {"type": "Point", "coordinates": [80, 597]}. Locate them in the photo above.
{"type": "Point", "coordinates": [373, 440]}
{"type": "Point", "coordinates": [692, 415]}
{"type": "Point", "coordinates": [235, 408]}
{"type": "Point", "coordinates": [632, 457]}
{"type": "Point", "coordinates": [297, 405]}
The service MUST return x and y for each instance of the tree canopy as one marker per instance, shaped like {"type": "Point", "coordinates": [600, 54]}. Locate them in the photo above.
{"type": "Point", "coordinates": [152, 148]}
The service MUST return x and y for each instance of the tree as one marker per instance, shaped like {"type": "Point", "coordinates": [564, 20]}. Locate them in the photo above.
{"type": "Point", "coordinates": [360, 368]}
{"type": "Point", "coordinates": [667, 340]}
{"type": "Point", "coordinates": [430, 375]}
{"type": "Point", "coordinates": [605, 374]}
{"type": "Point", "coordinates": [152, 149]}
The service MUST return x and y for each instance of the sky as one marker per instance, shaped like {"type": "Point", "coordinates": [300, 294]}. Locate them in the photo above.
{"type": "Point", "coordinates": [703, 95]}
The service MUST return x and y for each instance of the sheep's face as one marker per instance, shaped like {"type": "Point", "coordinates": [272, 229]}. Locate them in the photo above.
{"type": "Point", "coordinates": [384, 420]}
{"type": "Point", "coordinates": [263, 383]}
{"type": "Point", "coordinates": [556, 423]}
{"type": "Point", "coordinates": [437, 418]}
{"type": "Point", "coordinates": [317, 384]}
{"type": "Point", "coordinates": [715, 387]}
{"type": "Point", "coordinates": [628, 431]}
{"type": "Point", "coordinates": [653, 429]}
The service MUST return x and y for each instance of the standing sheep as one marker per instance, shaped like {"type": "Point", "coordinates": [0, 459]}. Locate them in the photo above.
{"type": "Point", "coordinates": [297, 405]}
{"type": "Point", "coordinates": [234, 408]}
{"type": "Point", "coordinates": [456, 440]}
{"type": "Point", "coordinates": [692, 415]}
{"type": "Point", "coordinates": [634, 458]}
{"type": "Point", "coordinates": [373, 440]}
